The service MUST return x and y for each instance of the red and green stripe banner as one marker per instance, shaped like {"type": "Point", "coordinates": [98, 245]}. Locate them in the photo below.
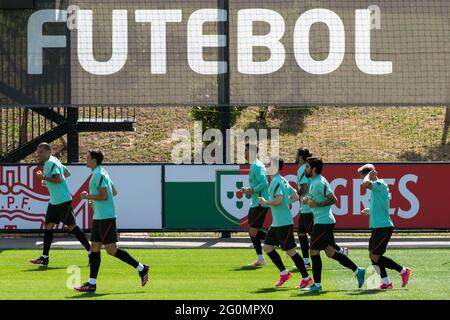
{"type": "Point", "coordinates": [207, 197]}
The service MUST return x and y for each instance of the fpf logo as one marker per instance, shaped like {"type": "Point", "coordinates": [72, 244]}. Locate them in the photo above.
{"type": "Point", "coordinates": [24, 201]}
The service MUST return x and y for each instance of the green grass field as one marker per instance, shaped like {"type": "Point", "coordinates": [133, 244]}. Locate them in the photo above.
{"type": "Point", "coordinates": [217, 274]}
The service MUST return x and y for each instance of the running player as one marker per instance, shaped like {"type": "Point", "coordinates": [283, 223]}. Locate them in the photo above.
{"type": "Point", "coordinates": [104, 232]}
{"type": "Point", "coordinates": [281, 232]}
{"type": "Point", "coordinates": [320, 199]}
{"type": "Point", "coordinates": [306, 218]}
{"type": "Point", "coordinates": [60, 204]}
{"type": "Point", "coordinates": [381, 225]}
{"type": "Point", "coordinates": [257, 213]}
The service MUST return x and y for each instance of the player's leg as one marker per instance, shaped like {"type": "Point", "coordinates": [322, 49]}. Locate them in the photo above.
{"type": "Point", "coordinates": [316, 246]}
{"type": "Point", "coordinates": [306, 280]}
{"type": "Point", "coordinates": [94, 262]}
{"type": "Point", "coordinates": [269, 248]}
{"type": "Point", "coordinates": [379, 248]}
{"type": "Point", "coordinates": [48, 238]}
{"type": "Point", "coordinates": [386, 282]}
{"type": "Point", "coordinates": [124, 256]}
{"type": "Point", "coordinates": [304, 246]}
{"type": "Point", "coordinates": [316, 270]}
{"type": "Point", "coordinates": [305, 223]}
{"type": "Point", "coordinates": [405, 272]}
{"type": "Point", "coordinates": [293, 254]}
{"type": "Point", "coordinates": [109, 239]}
{"type": "Point", "coordinates": [256, 217]}
{"type": "Point", "coordinates": [94, 257]}
{"type": "Point", "coordinates": [343, 250]}
{"type": "Point", "coordinates": [344, 260]}
{"type": "Point", "coordinates": [285, 275]}
{"type": "Point", "coordinates": [253, 233]}
{"type": "Point", "coordinates": [80, 235]}
{"type": "Point", "coordinates": [288, 245]}
{"type": "Point", "coordinates": [380, 269]}
{"type": "Point", "coordinates": [70, 222]}
{"type": "Point", "coordinates": [51, 218]}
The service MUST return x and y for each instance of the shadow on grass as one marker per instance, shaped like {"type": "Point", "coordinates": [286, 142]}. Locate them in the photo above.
{"type": "Point", "coordinates": [330, 268]}
{"type": "Point", "coordinates": [270, 290]}
{"type": "Point", "coordinates": [44, 268]}
{"type": "Point", "coordinates": [314, 293]}
{"type": "Point", "coordinates": [434, 153]}
{"type": "Point", "coordinates": [309, 293]}
{"type": "Point", "coordinates": [291, 120]}
{"type": "Point", "coordinates": [369, 292]}
{"type": "Point", "coordinates": [246, 268]}
{"type": "Point", "coordinates": [294, 270]}
{"type": "Point", "coordinates": [89, 295]}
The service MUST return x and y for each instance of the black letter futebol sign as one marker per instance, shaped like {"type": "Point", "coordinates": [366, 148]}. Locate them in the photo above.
{"type": "Point", "coordinates": [166, 52]}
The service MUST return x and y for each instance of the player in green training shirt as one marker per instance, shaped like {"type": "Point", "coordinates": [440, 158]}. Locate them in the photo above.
{"type": "Point", "coordinates": [381, 225]}
{"type": "Point", "coordinates": [101, 194]}
{"type": "Point", "coordinates": [60, 205]}
{"type": "Point", "coordinates": [320, 199]}
{"type": "Point", "coordinates": [306, 217]}
{"type": "Point", "coordinates": [257, 213]}
{"type": "Point", "coordinates": [281, 232]}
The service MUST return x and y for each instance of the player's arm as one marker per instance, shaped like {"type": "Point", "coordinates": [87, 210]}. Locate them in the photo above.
{"type": "Point", "coordinates": [366, 181]}
{"type": "Point", "coordinates": [365, 211]}
{"type": "Point", "coordinates": [67, 172]}
{"type": "Point", "coordinates": [306, 200]}
{"type": "Point", "coordinates": [263, 183]}
{"type": "Point", "coordinates": [102, 188]}
{"type": "Point", "coordinates": [114, 190]}
{"type": "Point", "coordinates": [56, 178]}
{"type": "Point", "coordinates": [329, 201]}
{"type": "Point", "coordinates": [53, 178]}
{"type": "Point", "coordinates": [102, 196]}
{"type": "Point", "coordinates": [293, 197]}
{"type": "Point", "coordinates": [304, 188]}
{"type": "Point", "coordinates": [278, 200]}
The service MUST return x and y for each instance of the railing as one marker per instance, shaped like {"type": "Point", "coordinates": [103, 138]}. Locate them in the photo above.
{"type": "Point", "coordinates": [107, 114]}
{"type": "Point", "coordinates": [18, 126]}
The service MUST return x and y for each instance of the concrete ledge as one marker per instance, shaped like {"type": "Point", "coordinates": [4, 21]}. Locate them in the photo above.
{"type": "Point", "coordinates": [203, 243]}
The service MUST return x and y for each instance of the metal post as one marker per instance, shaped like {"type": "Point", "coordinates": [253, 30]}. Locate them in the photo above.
{"type": "Point", "coordinates": [446, 126]}
{"type": "Point", "coordinates": [72, 135]}
{"type": "Point", "coordinates": [226, 235]}
{"type": "Point", "coordinates": [447, 115]}
{"type": "Point", "coordinates": [72, 113]}
{"type": "Point", "coordinates": [223, 79]}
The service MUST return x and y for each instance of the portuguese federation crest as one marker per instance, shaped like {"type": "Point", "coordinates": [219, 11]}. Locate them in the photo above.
{"type": "Point", "coordinates": [231, 203]}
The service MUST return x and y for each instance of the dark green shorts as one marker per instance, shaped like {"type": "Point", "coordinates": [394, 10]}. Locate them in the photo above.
{"type": "Point", "coordinates": [104, 231]}
{"type": "Point", "coordinates": [305, 223]}
{"type": "Point", "coordinates": [322, 236]}
{"type": "Point", "coordinates": [256, 216]}
{"type": "Point", "coordinates": [282, 237]}
{"type": "Point", "coordinates": [379, 240]}
{"type": "Point", "coordinates": [62, 212]}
